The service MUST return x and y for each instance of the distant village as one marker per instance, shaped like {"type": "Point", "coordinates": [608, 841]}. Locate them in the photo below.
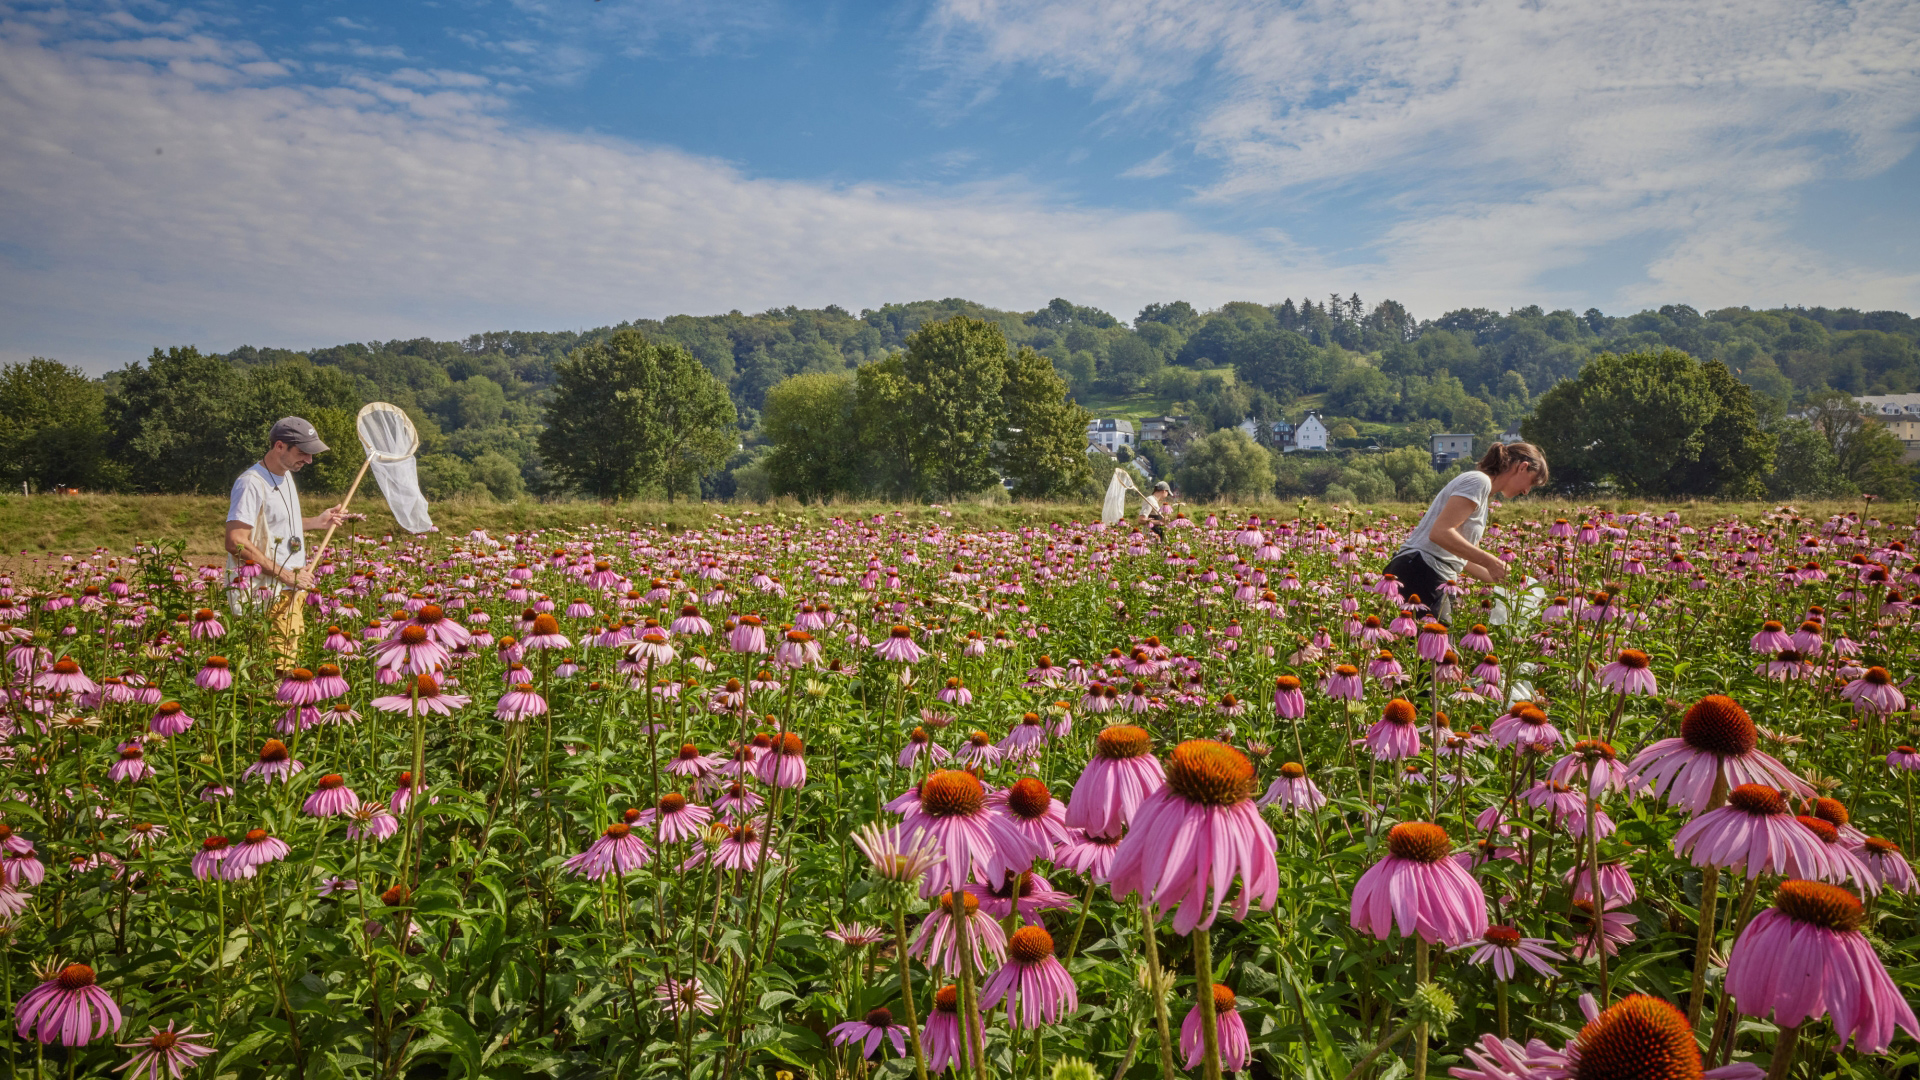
{"type": "Point", "coordinates": [1117, 439]}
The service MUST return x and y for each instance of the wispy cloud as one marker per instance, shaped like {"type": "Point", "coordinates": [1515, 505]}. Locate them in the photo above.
{"type": "Point", "coordinates": [1512, 136]}
{"type": "Point", "coordinates": [404, 204]}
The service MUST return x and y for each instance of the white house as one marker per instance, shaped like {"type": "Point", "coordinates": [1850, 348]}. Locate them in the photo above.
{"type": "Point", "coordinates": [1900, 415]}
{"type": "Point", "coordinates": [1157, 428]}
{"type": "Point", "coordinates": [1110, 434]}
{"type": "Point", "coordinates": [1448, 449]}
{"type": "Point", "coordinates": [1310, 435]}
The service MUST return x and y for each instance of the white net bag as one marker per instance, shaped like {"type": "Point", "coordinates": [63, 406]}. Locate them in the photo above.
{"type": "Point", "coordinates": [1115, 507]}
{"type": "Point", "coordinates": [391, 441]}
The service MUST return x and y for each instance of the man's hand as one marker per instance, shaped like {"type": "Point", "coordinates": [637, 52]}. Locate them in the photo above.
{"type": "Point", "coordinates": [299, 579]}
{"type": "Point", "coordinates": [1496, 570]}
{"type": "Point", "coordinates": [333, 516]}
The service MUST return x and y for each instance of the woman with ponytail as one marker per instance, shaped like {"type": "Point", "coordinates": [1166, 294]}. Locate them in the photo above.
{"type": "Point", "coordinates": [1446, 543]}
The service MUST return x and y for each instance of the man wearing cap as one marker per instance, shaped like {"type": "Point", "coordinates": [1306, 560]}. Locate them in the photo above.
{"type": "Point", "coordinates": [264, 524]}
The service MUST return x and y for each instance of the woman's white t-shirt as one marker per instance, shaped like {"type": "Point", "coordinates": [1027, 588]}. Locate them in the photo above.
{"type": "Point", "coordinates": [258, 495]}
{"type": "Point", "coordinates": [1472, 484]}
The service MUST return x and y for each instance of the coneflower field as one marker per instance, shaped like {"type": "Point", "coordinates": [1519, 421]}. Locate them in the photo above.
{"type": "Point", "coordinates": [887, 798]}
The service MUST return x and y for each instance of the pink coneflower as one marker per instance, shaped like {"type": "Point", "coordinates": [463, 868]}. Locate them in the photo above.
{"type": "Point", "coordinates": [169, 720]}
{"type": "Point", "coordinates": [1805, 958]}
{"type": "Point", "coordinates": [340, 712]}
{"type": "Point", "coordinates": [748, 635]}
{"type": "Point", "coordinates": [940, 1039]}
{"type": "Point", "coordinates": [423, 696]}
{"type": "Point", "coordinates": [1503, 949]}
{"type": "Point", "coordinates": [870, 1031]}
{"type": "Point", "coordinates": [213, 851]}
{"type": "Point", "coordinates": [1717, 744]}
{"type": "Point", "coordinates": [1890, 868]}
{"type": "Point", "coordinates": [1289, 702]}
{"type": "Point", "coordinates": [1525, 727]}
{"type": "Point", "coordinates": [254, 850]}
{"type": "Point", "coordinates": [297, 688]}
{"type": "Point", "coordinates": [1029, 811]}
{"type": "Point", "coordinates": [545, 634]}
{"type": "Point", "coordinates": [617, 850]}
{"type": "Point", "coordinates": [68, 1009]}
{"type": "Point", "coordinates": [520, 702]}
{"type": "Point", "coordinates": [132, 766]}
{"type": "Point", "coordinates": [690, 622]}
{"type": "Point", "coordinates": [1904, 757]}
{"type": "Point", "coordinates": [1026, 739]}
{"type": "Point", "coordinates": [214, 674]}
{"type": "Point", "coordinates": [1638, 1038]}
{"type": "Point", "coordinates": [1771, 638]}
{"type": "Point", "coordinates": [1874, 693]}
{"type": "Point", "coordinates": [785, 764]}
{"type": "Point", "coordinates": [168, 1049]}
{"type": "Point", "coordinates": [1195, 834]}
{"type": "Point", "coordinates": [1842, 864]}
{"type": "Point", "coordinates": [65, 677]}
{"type": "Point", "coordinates": [1593, 763]}
{"type": "Point", "coordinates": [1086, 854]}
{"type": "Point", "coordinates": [797, 650]}
{"type": "Point", "coordinates": [978, 750]}
{"type": "Point", "coordinates": [1630, 673]}
{"type": "Point", "coordinates": [1431, 644]}
{"type": "Point", "coordinates": [328, 681]}
{"type": "Point", "coordinates": [675, 819]}
{"type": "Point", "coordinates": [690, 762]}
{"type": "Point", "coordinates": [274, 763]}
{"type": "Point", "coordinates": [1616, 883]}
{"type": "Point", "coordinates": [1025, 894]}
{"type": "Point", "coordinates": [1477, 639]}
{"type": "Point", "coordinates": [411, 652]}
{"type": "Point", "coordinates": [743, 849]}
{"type": "Point", "coordinates": [206, 626]}
{"type": "Point", "coordinates": [371, 821]}
{"type": "Point", "coordinates": [1344, 683]}
{"type": "Point", "coordinates": [1395, 735]}
{"type": "Point", "coordinates": [1121, 774]}
{"type": "Point", "coordinates": [1037, 989]}
{"type": "Point", "coordinates": [331, 798]}
{"type": "Point", "coordinates": [1420, 890]}
{"type": "Point", "coordinates": [144, 834]}
{"type": "Point", "coordinates": [1384, 669]}
{"type": "Point", "coordinates": [1294, 790]}
{"type": "Point", "coordinates": [680, 998]}
{"type": "Point", "coordinates": [1230, 1033]}
{"type": "Point", "coordinates": [1753, 831]}
{"type": "Point", "coordinates": [898, 646]}
{"type": "Point", "coordinates": [938, 946]}
{"type": "Point", "coordinates": [1616, 927]}
{"type": "Point", "coordinates": [951, 808]}
{"type": "Point", "coordinates": [736, 803]}
{"type": "Point", "coordinates": [855, 935]}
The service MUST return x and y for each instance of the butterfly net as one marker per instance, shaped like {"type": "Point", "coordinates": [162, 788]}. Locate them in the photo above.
{"type": "Point", "coordinates": [391, 441]}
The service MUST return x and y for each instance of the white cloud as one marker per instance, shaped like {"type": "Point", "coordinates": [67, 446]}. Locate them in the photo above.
{"type": "Point", "coordinates": [1509, 137]}
{"type": "Point", "coordinates": [394, 206]}
{"type": "Point", "coordinates": [1158, 165]}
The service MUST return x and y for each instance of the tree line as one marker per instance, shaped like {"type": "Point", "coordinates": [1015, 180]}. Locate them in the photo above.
{"type": "Point", "coordinates": [183, 420]}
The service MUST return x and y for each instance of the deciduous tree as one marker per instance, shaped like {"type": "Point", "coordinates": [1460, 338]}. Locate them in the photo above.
{"type": "Point", "coordinates": [629, 416]}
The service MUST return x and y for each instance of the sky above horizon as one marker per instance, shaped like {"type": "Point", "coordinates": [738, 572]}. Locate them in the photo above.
{"type": "Point", "coordinates": [300, 174]}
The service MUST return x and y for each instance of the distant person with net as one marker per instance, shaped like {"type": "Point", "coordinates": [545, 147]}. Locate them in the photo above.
{"type": "Point", "coordinates": [265, 526]}
{"type": "Point", "coordinates": [1446, 542]}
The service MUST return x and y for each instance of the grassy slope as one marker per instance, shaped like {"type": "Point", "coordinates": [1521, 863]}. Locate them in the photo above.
{"type": "Point", "coordinates": [32, 528]}
{"type": "Point", "coordinates": [1136, 407]}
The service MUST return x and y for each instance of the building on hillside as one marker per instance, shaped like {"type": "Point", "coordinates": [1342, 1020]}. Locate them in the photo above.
{"type": "Point", "coordinates": [1310, 435]}
{"type": "Point", "coordinates": [1283, 434]}
{"type": "Point", "coordinates": [1511, 435]}
{"type": "Point", "coordinates": [1448, 449]}
{"type": "Point", "coordinates": [1900, 415]}
{"type": "Point", "coordinates": [1159, 428]}
{"type": "Point", "coordinates": [1110, 434]}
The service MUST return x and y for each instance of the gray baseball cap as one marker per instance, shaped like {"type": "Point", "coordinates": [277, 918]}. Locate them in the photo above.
{"type": "Point", "coordinates": [296, 432]}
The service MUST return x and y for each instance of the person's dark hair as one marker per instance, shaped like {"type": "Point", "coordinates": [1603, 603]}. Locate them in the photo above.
{"type": "Point", "coordinates": [1503, 456]}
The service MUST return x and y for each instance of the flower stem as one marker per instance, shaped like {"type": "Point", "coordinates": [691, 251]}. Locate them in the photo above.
{"type": "Point", "coordinates": [1783, 1053]}
{"type": "Point", "coordinates": [906, 990]}
{"type": "Point", "coordinates": [1420, 1029]}
{"type": "Point", "coordinates": [1203, 989]}
{"type": "Point", "coordinates": [1151, 932]}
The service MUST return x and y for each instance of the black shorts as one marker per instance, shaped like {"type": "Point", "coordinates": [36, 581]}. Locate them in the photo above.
{"type": "Point", "coordinates": [1418, 579]}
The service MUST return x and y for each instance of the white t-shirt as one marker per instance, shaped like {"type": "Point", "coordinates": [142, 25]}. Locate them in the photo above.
{"type": "Point", "coordinates": [259, 493]}
{"type": "Point", "coordinates": [1472, 484]}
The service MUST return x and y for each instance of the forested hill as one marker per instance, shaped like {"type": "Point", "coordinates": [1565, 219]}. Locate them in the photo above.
{"type": "Point", "coordinates": [479, 401]}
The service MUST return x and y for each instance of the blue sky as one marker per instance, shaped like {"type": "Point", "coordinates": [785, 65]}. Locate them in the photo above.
{"type": "Point", "coordinates": [304, 174]}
